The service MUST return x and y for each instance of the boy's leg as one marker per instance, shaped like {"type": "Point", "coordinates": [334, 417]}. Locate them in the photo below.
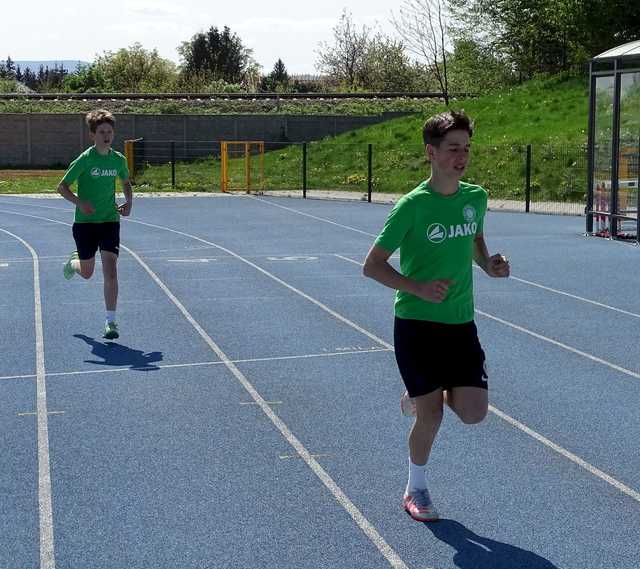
{"type": "Point", "coordinates": [425, 428]}
{"type": "Point", "coordinates": [471, 404]}
{"type": "Point", "coordinates": [86, 267]}
{"type": "Point", "coordinates": [416, 500]}
{"type": "Point", "coordinates": [110, 272]}
{"type": "Point", "coordinates": [82, 260]}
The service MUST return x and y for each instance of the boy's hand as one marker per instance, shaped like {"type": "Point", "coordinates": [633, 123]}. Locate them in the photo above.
{"type": "Point", "coordinates": [86, 208]}
{"type": "Point", "coordinates": [124, 209]}
{"type": "Point", "coordinates": [434, 291]}
{"type": "Point", "coordinates": [498, 266]}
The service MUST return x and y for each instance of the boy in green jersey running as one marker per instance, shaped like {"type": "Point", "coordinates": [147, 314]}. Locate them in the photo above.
{"type": "Point", "coordinates": [438, 228]}
{"type": "Point", "coordinates": [97, 217]}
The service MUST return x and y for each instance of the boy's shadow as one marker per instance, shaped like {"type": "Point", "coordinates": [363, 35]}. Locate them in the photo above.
{"type": "Point", "coordinates": [476, 552]}
{"type": "Point", "coordinates": [114, 354]}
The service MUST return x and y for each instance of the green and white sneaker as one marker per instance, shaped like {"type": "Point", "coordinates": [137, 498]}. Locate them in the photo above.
{"type": "Point", "coordinates": [68, 269]}
{"type": "Point", "coordinates": [111, 331]}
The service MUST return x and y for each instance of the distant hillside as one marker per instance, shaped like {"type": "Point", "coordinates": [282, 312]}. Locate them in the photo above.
{"type": "Point", "coordinates": [71, 65]}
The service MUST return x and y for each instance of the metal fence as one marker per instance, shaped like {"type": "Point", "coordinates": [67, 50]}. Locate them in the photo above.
{"type": "Point", "coordinates": [518, 177]}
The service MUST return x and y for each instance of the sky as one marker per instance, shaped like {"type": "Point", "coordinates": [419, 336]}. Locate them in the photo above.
{"type": "Point", "coordinates": [80, 30]}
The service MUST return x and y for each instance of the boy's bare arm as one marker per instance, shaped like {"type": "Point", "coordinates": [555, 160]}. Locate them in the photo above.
{"type": "Point", "coordinates": [377, 267]}
{"type": "Point", "coordinates": [494, 265]}
{"type": "Point", "coordinates": [67, 194]}
{"type": "Point", "coordinates": [125, 208]}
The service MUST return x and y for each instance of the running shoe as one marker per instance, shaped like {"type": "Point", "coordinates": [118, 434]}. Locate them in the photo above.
{"type": "Point", "coordinates": [407, 405]}
{"type": "Point", "coordinates": [111, 331]}
{"type": "Point", "coordinates": [68, 269]}
{"type": "Point", "coordinates": [419, 506]}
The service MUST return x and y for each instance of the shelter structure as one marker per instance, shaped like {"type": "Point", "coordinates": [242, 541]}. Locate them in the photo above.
{"type": "Point", "coordinates": [613, 199]}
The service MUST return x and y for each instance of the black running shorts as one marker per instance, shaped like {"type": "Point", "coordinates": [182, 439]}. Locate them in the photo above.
{"type": "Point", "coordinates": [432, 355]}
{"type": "Point", "coordinates": [90, 237]}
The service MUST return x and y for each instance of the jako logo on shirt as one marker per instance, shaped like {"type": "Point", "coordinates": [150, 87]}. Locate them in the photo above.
{"type": "Point", "coordinates": [99, 172]}
{"type": "Point", "coordinates": [437, 233]}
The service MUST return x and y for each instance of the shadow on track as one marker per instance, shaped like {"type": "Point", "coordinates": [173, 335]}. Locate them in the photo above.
{"type": "Point", "coordinates": [476, 552]}
{"type": "Point", "coordinates": [117, 355]}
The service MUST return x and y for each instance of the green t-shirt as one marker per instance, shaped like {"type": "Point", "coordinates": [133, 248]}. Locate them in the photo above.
{"type": "Point", "coordinates": [435, 234]}
{"type": "Point", "coordinates": [96, 175]}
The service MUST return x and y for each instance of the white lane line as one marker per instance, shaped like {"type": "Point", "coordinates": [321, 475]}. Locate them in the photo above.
{"type": "Point", "coordinates": [530, 283]}
{"type": "Point", "coordinates": [385, 549]}
{"type": "Point", "coordinates": [47, 555]}
{"type": "Point", "coordinates": [545, 338]}
{"type": "Point", "coordinates": [537, 436]}
{"type": "Point", "coordinates": [368, 334]}
{"type": "Point", "coordinates": [576, 297]}
{"type": "Point", "coordinates": [569, 455]}
{"type": "Point", "coordinates": [319, 304]}
{"type": "Point", "coordinates": [189, 260]}
{"type": "Point", "coordinates": [561, 345]}
{"type": "Point", "coordinates": [348, 259]}
{"type": "Point", "coordinates": [323, 219]}
{"type": "Point", "coordinates": [197, 364]}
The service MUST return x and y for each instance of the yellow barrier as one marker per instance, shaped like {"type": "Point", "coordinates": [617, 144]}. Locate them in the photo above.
{"type": "Point", "coordinates": [244, 149]}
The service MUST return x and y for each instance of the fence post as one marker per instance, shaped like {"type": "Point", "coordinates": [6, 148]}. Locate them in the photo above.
{"type": "Point", "coordinates": [369, 171]}
{"type": "Point", "coordinates": [527, 190]}
{"type": "Point", "coordinates": [304, 169]}
{"type": "Point", "coordinates": [638, 196]}
{"type": "Point", "coordinates": [173, 164]}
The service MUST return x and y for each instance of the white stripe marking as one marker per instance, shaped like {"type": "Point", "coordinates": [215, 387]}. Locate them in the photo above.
{"type": "Point", "coordinates": [561, 345]}
{"type": "Point", "coordinates": [567, 454]}
{"type": "Point", "coordinates": [576, 297]}
{"type": "Point", "coordinates": [605, 477]}
{"type": "Point", "coordinates": [324, 307]}
{"type": "Point", "coordinates": [196, 364]}
{"type": "Point", "coordinates": [323, 219]}
{"type": "Point", "coordinates": [47, 556]}
{"type": "Point", "coordinates": [189, 260]}
{"type": "Point", "coordinates": [385, 549]}
{"type": "Point", "coordinates": [531, 283]}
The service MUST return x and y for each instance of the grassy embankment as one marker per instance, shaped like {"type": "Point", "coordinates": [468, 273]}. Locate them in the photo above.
{"type": "Point", "coordinates": [550, 114]}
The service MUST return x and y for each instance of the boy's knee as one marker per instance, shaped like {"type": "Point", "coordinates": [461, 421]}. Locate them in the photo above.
{"type": "Point", "coordinates": [473, 416]}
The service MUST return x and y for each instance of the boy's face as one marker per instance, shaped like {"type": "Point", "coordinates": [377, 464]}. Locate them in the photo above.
{"type": "Point", "coordinates": [103, 136]}
{"type": "Point", "coordinates": [452, 156]}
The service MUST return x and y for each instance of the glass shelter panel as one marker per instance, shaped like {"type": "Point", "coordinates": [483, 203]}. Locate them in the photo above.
{"type": "Point", "coordinates": [629, 152]}
{"type": "Point", "coordinates": [602, 149]}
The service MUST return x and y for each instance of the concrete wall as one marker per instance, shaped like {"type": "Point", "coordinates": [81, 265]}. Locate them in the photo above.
{"type": "Point", "coordinates": [49, 140]}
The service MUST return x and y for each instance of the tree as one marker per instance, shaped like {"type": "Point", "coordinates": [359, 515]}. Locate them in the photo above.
{"type": "Point", "coordinates": [547, 36]}
{"type": "Point", "coordinates": [344, 61]}
{"type": "Point", "coordinates": [134, 69]}
{"type": "Point", "coordinates": [87, 79]}
{"type": "Point", "coordinates": [7, 69]}
{"type": "Point", "coordinates": [469, 59]}
{"type": "Point", "coordinates": [387, 67]}
{"type": "Point", "coordinates": [217, 56]}
{"type": "Point", "coordinates": [421, 25]}
{"type": "Point", "coordinates": [277, 80]}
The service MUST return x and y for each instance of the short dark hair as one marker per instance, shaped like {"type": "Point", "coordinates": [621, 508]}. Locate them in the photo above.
{"type": "Point", "coordinates": [95, 118]}
{"type": "Point", "coordinates": [437, 126]}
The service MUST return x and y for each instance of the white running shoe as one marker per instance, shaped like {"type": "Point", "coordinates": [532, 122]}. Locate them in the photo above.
{"type": "Point", "coordinates": [407, 405]}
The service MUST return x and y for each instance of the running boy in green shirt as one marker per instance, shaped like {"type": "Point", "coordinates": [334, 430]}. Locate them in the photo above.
{"type": "Point", "coordinates": [438, 228]}
{"type": "Point", "coordinates": [97, 217]}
